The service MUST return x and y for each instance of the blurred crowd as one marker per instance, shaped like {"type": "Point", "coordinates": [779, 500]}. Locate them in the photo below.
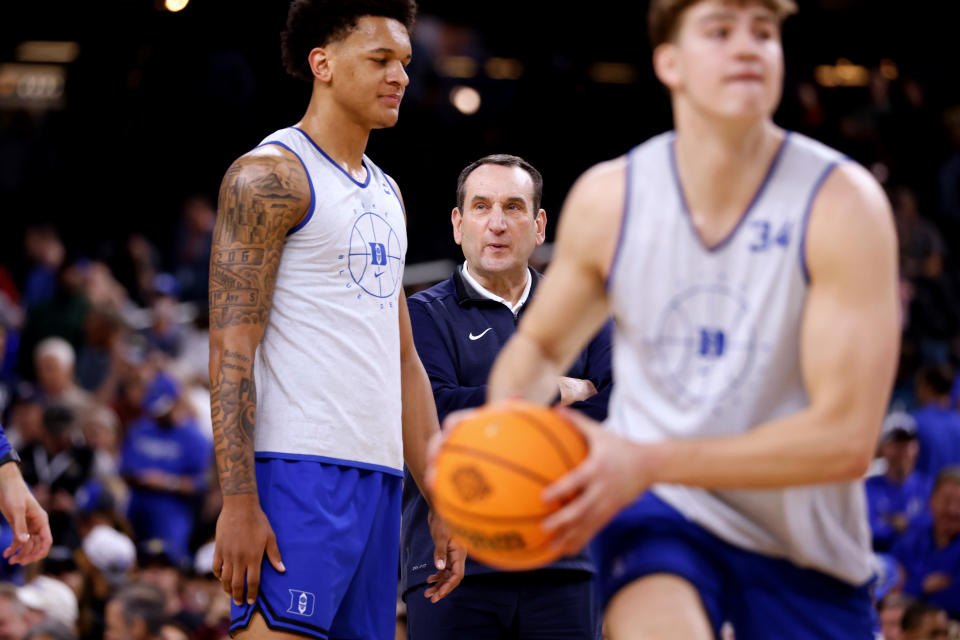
{"type": "Point", "coordinates": [104, 392]}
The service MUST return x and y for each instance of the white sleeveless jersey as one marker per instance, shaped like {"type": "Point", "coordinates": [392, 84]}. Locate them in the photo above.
{"type": "Point", "coordinates": [328, 367]}
{"type": "Point", "coordinates": [707, 343]}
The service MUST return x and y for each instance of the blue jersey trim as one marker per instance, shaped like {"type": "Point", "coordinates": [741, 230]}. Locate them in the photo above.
{"type": "Point", "coordinates": [277, 623]}
{"type": "Point", "coordinates": [362, 185]}
{"type": "Point", "coordinates": [369, 466]}
{"type": "Point", "coordinates": [313, 198]}
{"type": "Point", "coordinates": [623, 221]}
{"type": "Point", "coordinates": [746, 212]}
{"type": "Point", "coordinates": [396, 195]}
{"type": "Point", "coordinates": [805, 220]}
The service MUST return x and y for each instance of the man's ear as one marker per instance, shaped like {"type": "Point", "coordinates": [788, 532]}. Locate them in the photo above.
{"type": "Point", "coordinates": [456, 219]}
{"type": "Point", "coordinates": [319, 59]}
{"type": "Point", "coordinates": [666, 65]}
{"type": "Point", "coordinates": [541, 222]}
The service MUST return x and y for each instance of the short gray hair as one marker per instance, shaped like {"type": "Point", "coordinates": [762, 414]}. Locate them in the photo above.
{"type": "Point", "coordinates": [57, 347]}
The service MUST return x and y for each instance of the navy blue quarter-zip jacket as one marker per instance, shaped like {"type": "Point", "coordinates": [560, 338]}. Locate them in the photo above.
{"type": "Point", "coordinates": [458, 334]}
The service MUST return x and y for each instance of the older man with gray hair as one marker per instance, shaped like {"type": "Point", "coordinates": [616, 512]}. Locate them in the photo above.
{"type": "Point", "coordinates": [54, 361]}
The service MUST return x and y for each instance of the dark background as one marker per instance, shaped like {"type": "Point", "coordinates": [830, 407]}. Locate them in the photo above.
{"type": "Point", "coordinates": [158, 104]}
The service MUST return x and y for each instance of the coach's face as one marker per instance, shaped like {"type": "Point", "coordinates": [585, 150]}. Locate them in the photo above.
{"type": "Point", "coordinates": [498, 228]}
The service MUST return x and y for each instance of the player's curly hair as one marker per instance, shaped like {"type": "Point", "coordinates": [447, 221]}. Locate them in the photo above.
{"type": "Point", "coordinates": [316, 23]}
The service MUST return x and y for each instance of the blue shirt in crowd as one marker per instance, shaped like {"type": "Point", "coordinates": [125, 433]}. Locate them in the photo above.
{"type": "Point", "coordinates": [886, 499]}
{"type": "Point", "coordinates": [917, 552]}
{"type": "Point", "coordinates": [938, 433]}
{"type": "Point", "coordinates": [180, 450]}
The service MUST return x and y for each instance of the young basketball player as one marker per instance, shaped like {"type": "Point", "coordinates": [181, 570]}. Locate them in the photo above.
{"type": "Point", "coordinates": [752, 277]}
{"type": "Point", "coordinates": [317, 390]}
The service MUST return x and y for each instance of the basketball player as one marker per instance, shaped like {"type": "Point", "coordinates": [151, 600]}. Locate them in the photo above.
{"type": "Point", "coordinates": [459, 326]}
{"type": "Point", "coordinates": [752, 276]}
{"type": "Point", "coordinates": [27, 519]}
{"type": "Point", "coordinates": [317, 390]}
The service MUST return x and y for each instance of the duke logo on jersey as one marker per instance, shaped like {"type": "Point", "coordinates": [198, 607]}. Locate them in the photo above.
{"type": "Point", "coordinates": [301, 602]}
{"type": "Point", "coordinates": [375, 256]}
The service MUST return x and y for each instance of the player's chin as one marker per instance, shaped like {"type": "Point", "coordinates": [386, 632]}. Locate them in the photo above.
{"type": "Point", "coordinates": [387, 119]}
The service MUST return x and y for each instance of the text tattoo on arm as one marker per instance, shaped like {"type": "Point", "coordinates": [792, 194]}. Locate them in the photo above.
{"type": "Point", "coordinates": [261, 198]}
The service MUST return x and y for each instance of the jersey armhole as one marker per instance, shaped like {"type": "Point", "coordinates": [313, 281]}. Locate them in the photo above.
{"type": "Point", "coordinates": [623, 222]}
{"type": "Point", "coordinates": [805, 220]}
{"type": "Point", "coordinates": [313, 199]}
{"type": "Point", "coordinates": [396, 195]}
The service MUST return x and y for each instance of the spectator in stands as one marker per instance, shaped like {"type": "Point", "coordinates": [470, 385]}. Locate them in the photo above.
{"type": "Point", "coordinates": [107, 561]}
{"type": "Point", "coordinates": [135, 613]}
{"type": "Point", "coordinates": [50, 599]}
{"type": "Point", "coordinates": [50, 630]}
{"type": "Point", "coordinates": [55, 468]}
{"type": "Point", "coordinates": [54, 360]}
{"type": "Point", "coordinates": [891, 610]}
{"type": "Point", "coordinates": [900, 495]}
{"type": "Point", "coordinates": [103, 336]}
{"type": "Point", "coordinates": [157, 566]}
{"type": "Point", "coordinates": [61, 564]}
{"type": "Point", "coordinates": [192, 247]}
{"type": "Point", "coordinates": [203, 595]}
{"type": "Point", "coordinates": [922, 621]}
{"type": "Point", "coordinates": [100, 430]}
{"type": "Point", "coordinates": [165, 461]}
{"type": "Point", "coordinates": [13, 613]}
{"type": "Point", "coordinates": [938, 424]}
{"type": "Point", "coordinates": [64, 315]}
{"type": "Point", "coordinates": [164, 333]}
{"type": "Point", "coordinates": [45, 250]}
{"type": "Point", "coordinates": [930, 549]}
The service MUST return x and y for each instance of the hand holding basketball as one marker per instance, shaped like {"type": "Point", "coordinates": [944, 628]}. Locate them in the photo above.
{"type": "Point", "coordinates": [488, 475]}
{"type": "Point", "coordinates": [612, 476]}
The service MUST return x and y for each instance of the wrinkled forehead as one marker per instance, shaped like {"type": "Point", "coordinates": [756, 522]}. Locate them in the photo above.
{"type": "Point", "coordinates": [494, 181]}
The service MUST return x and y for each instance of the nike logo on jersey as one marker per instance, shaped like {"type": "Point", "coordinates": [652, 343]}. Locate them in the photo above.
{"type": "Point", "coordinates": [473, 337]}
{"type": "Point", "coordinates": [377, 275]}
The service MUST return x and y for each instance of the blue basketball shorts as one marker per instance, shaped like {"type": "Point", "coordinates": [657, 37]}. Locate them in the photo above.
{"type": "Point", "coordinates": [761, 596]}
{"type": "Point", "coordinates": [338, 531]}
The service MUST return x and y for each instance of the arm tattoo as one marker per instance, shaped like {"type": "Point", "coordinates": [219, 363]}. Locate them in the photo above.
{"type": "Point", "coordinates": [261, 198]}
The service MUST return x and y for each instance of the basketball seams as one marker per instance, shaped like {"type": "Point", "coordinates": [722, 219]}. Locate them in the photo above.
{"type": "Point", "coordinates": [494, 458]}
{"type": "Point", "coordinates": [535, 421]}
{"type": "Point", "coordinates": [473, 515]}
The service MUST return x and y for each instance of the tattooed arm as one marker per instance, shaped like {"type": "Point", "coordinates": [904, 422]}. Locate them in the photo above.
{"type": "Point", "coordinates": [263, 195]}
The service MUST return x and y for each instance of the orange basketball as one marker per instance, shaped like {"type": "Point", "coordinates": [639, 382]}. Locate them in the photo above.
{"type": "Point", "coordinates": [490, 473]}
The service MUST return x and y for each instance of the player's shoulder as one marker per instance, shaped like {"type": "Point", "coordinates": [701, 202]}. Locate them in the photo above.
{"type": "Point", "coordinates": [850, 220]}
{"type": "Point", "coordinates": [273, 171]}
{"type": "Point", "coordinates": [608, 180]}
{"type": "Point", "coordinates": [268, 158]}
{"type": "Point", "coordinates": [851, 202]}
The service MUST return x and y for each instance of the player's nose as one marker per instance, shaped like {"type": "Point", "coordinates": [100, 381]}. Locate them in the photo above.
{"type": "Point", "coordinates": [397, 74]}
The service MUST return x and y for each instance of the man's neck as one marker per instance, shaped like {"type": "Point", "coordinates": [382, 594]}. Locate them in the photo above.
{"type": "Point", "coordinates": [721, 163]}
{"type": "Point", "coordinates": [897, 476]}
{"type": "Point", "coordinates": [340, 136]}
{"type": "Point", "coordinates": [508, 285]}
